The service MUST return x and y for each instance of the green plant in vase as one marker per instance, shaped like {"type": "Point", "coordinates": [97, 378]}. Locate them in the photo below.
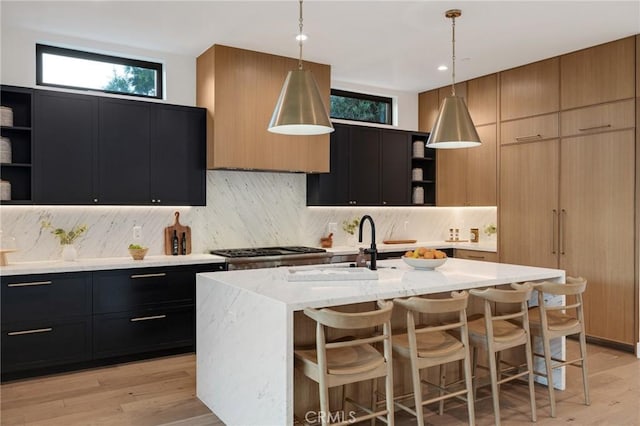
{"type": "Point", "coordinates": [350, 226]}
{"type": "Point", "coordinates": [66, 238]}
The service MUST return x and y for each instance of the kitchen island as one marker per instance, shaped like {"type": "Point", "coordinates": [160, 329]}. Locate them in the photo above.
{"type": "Point", "coordinates": [245, 325]}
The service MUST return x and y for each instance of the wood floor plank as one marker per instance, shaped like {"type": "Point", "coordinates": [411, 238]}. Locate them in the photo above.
{"type": "Point", "coordinates": [162, 392]}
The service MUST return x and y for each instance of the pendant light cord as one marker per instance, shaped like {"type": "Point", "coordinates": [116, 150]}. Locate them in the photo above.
{"type": "Point", "coordinates": [300, 37]}
{"type": "Point", "coordinates": [453, 56]}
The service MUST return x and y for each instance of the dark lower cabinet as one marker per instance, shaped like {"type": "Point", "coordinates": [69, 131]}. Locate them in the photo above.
{"type": "Point", "coordinates": [142, 331]}
{"type": "Point", "coordinates": [53, 322]}
{"type": "Point", "coordinates": [39, 344]}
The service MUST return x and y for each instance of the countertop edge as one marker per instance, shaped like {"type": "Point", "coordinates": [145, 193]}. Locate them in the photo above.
{"type": "Point", "coordinates": [107, 263]}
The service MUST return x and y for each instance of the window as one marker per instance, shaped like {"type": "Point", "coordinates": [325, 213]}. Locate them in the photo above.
{"type": "Point", "coordinates": [361, 107]}
{"type": "Point", "coordinates": [75, 69]}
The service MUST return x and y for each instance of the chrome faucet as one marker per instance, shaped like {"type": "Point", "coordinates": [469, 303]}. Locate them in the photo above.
{"type": "Point", "coordinates": [372, 251]}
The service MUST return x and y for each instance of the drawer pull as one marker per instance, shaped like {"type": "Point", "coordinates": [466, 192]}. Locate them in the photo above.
{"type": "Point", "coordinates": [154, 317]}
{"type": "Point", "coordinates": [34, 331]}
{"type": "Point", "coordinates": [528, 138]}
{"type": "Point", "coordinates": [160, 274]}
{"type": "Point", "coordinates": [30, 284]}
{"type": "Point", "coordinates": [604, 126]}
{"type": "Point", "coordinates": [470, 256]}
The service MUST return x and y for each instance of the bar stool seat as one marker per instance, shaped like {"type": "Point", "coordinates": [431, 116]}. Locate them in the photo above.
{"type": "Point", "coordinates": [341, 361]}
{"type": "Point", "coordinates": [503, 331]}
{"type": "Point", "coordinates": [557, 321]}
{"type": "Point", "coordinates": [433, 345]}
{"type": "Point", "coordinates": [350, 359]}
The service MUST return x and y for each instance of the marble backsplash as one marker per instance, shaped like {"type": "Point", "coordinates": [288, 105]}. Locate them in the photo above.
{"type": "Point", "coordinates": [244, 209]}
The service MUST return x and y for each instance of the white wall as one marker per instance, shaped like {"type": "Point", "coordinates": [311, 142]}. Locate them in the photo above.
{"type": "Point", "coordinates": [18, 58]}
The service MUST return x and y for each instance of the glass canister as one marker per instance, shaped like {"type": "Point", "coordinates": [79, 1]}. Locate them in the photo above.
{"type": "Point", "coordinates": [418, 149]}
{"type": "Point", "coordinates": [418, 195]}
{"type": "Point", "coordinates": [416, 174]}
{"type": "Point", "coordinates": [5, 190]}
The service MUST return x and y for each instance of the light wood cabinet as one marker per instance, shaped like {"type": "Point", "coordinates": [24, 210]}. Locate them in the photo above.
{"type": "Point", "coordinates": [569, 204]}
{"type": "Point", "coordinates": [599, 74]}
{"type": "Point", "coordinates": [485, 256]}
{"type": "Point", "coordinates": [532, 89]}
{"type": "Point", "coordinates": [466, 177]}
{"type": "Point", "coordinates": [530, 129]}
{"type": "Point", "coordinates": [528, 210]}
{"type": "Point", "coordinates": [482, 99]}
{"type": "Point", "coordinates": [240, 88]}
{"type": "Point", "coordinates": [599, 118]}
{"type": "Point", "coordinates": [428, 108]}
{"type": "Point", "coordinates": [596, 221]}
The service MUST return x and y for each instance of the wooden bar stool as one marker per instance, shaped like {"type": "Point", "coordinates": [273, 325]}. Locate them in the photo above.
{"type": "Point", "coordinates": [349, 361]}
{"type": "Point", "coordinates": [433, 345]}
{"type": "Point", "coordinates": [550, 322]}
{"type": "Point", "coordinates": [495, 332]}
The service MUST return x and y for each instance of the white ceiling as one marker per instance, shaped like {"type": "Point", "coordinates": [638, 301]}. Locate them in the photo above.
{"type": "Point", "coordinates": [388, 44]}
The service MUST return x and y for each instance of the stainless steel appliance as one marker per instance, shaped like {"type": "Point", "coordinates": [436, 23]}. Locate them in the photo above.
{"type": "Point", "coordinates": [271, 257]}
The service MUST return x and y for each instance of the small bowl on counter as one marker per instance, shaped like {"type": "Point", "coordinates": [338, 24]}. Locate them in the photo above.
{"type": "Point", "coordinates": [424, 264]}
{"type": "Point", "coordinates": [138, 253]}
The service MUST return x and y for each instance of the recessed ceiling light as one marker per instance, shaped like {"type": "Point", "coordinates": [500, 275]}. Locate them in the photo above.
{"type": "Point", "coordinates": [443, 68]}
{"type": "Point", "coordinates": [301, 37]}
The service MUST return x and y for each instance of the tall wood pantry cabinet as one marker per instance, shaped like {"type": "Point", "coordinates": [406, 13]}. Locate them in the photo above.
{"type": "Point", "coordinates": [567, 178]}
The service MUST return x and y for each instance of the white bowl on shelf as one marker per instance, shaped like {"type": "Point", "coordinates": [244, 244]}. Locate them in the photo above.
{"type": "Point", "coordinates": [426, 264]}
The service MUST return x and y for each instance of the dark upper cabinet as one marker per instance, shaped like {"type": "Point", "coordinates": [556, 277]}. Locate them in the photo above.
{"type": "Point", "coordinates": [123, 152]}
{"type": "Point", "coordinates": [324, 189]}
{"type": "Point", "coordinates": [64, 148]}
{"type": "Point", "coordinates": [178, 155]}
{"type": "Point", "coordinates": [98, 150]}
{"type": "Point", "coordinates": [364, 181]}
{"type": "Point", "coordinates": [369, 166]}
{"type": "Point", "coordinates": [395, 165]}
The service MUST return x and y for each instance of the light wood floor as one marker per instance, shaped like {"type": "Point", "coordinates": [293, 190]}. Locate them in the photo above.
{"type": "Point", "coordinates": [162, 392]}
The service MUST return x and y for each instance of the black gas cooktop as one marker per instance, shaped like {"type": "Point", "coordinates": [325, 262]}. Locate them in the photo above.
{"type": "Point", "coordinates": [267, 251]}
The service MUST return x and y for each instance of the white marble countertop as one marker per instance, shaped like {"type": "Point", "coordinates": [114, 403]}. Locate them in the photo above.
{"type": "Point", "coordinates": [395, 279]}
{"type": "Point", "coordinates": [382, 248]}
{"type": "Point", "coordinates": [97, 264]}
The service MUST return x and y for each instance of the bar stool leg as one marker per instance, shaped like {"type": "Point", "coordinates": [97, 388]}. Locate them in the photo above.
{"type": "Point", "coordinates": [470, 391]}
{"type": "Point", "coordinates": [494, 386]}
{"type": "Point", "coordinates": [374, 399]}
{"type": "Point", "coordinates": [532, 392]}
{"type": "Point", "coordinates": [324, 402]}
{"type": "Point", "coordinates": [546, 343]}
{"type": "Point", "coordinates": [417, 393]}
{"type": "Point", "coordinates": [442, 371]}
{"type": "Point", "coordinates": [583, 354]}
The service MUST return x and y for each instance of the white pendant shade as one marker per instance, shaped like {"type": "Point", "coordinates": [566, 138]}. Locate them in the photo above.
{"type": "Point", "coordinates": [454, 127]}
{"type": "Point", "coordinates": [300, 109]}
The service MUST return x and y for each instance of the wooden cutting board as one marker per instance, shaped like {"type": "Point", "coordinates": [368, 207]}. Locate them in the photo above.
{"type": "Point", "coordinates": [399, 241]}
{"type": "Point", "coordinates": [180, 229]}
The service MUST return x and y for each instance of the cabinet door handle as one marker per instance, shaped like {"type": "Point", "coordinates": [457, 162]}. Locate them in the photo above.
{"type": "Point", "coordinates": [34, 283]}
{"type": "Point", "coordinates": [159, 274]}
{"type": "Point", "coordinates": [554, 214]}
{"type": "Point", "coordinates": [528, 138]}
{"type": "Point", "coordinates": [153, 317]}
{"type": "Point", "coordinates": [586, 129]}
{"type": "Point", "coordinates": [34, 331]}
{"type": "Point", "coordinates": [563, 231]}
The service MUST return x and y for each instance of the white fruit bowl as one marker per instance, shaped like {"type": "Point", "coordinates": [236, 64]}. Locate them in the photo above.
{"type": "Point", "coordinates": [423, 263]}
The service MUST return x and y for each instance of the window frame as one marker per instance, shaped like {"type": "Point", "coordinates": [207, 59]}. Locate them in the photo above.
{"type": "Point", "coordinates": [365, 97]}
{"type": "Point", "coordinates": [118, 60]}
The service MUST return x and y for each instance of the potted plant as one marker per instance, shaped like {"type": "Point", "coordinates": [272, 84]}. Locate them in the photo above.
{"type": "Point", "coordinates": [67, 238]}
{"type": "Point", "coordinates": [137, 251]}
{"type": "Point", "coordinates": [350, 226]}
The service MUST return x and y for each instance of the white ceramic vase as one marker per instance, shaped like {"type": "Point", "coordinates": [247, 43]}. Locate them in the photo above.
{"type": "Point", "coordinates": [69, 252]}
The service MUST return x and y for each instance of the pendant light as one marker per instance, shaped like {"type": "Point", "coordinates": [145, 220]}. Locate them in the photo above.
{"type": "Point", "coordinates": [454, 127]}
{"type": "Point", "coordinates": [300, 109]}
